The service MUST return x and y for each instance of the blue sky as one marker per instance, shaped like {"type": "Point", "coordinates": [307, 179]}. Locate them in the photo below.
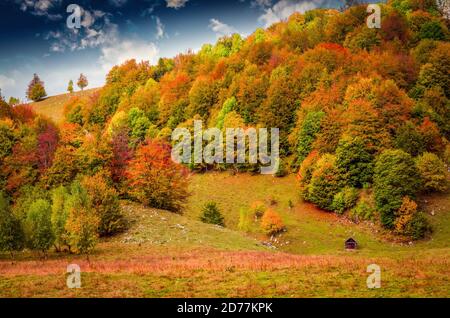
{"type": "Point", "coordinates": [35, 37]}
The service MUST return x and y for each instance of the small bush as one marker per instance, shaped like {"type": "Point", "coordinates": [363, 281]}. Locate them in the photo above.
{"type": "Point", "coordinates": [418, 227]}
{"type": "Point", "coordinates": [258, 208]}
{"type": "Point", "coordinates": [282, 170]}
{"type": "Point", "coordinates": [344, 200]}
{"type": "Point", "coordinates": [409, 222]}
{"type": "Point", "coordinates": [290, 204]}
{"type": "Point", "coordinates": [364, 210]}
{"type": "Point", "coordinates": [405, 215]}
{"type": "Point", "coordinates": [272, 200]}
{"type": "Point", "coordinates": [244, 220]}
{"type": "Point", "coordinates": [271, 223]}
{"type": "Point", "coordinates": [211, 214]}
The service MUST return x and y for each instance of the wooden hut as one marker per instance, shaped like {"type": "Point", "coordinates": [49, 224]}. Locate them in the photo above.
{"type": "Point", "coordinates": [351, 244]}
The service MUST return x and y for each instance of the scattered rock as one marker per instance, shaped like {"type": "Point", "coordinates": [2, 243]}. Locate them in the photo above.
{"type": "Point", "coordinates": [268, 244]}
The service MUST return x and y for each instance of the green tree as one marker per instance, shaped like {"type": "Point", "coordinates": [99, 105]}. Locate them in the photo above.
{"type": "Point", "coordinates": [7, 139]}
{"type": "Point", "coordinates": [59, 217]}
{"type": "Point", "coordinates": [202, 97]}
{"type": "Point", "coordinates": [228, 106]}
{"type": "Point", "coordinates": [13, 101]}
{"type": "Point", "coordinates": [354, 161]}
{"type": "Point", "coordinates": [36, 90]}
{"type": "Point", "coordinates": [82, 222]}
{"type": "Point", "coordinates": [433, 172]}
{"type": "Point", "coordinates": [409, 139]}
{"type": "Point", "coordinates": [211, 214]}
{"type": "Point", "coordinates": [5, 108]}
{"type": "Point", "coordinates": [105, 202]}
{"type": "Point", "coordinates": [432, 30]}
{"type": "Point", "coordinates": [138, 123]}
{"type": "Point", "coordinates": [279, 108]}
{"type": "Point", "coordinates": [344, 200]}
{"type": "Point", "coordinates": [325, 182]}
{"type": "Point", "coordinates": [435, 72]}
{"type": "Point", "coordinates": [395, 177]}
{"type": "Point", "coordinates": [70, 87]}
{"type": "Point", "coordinates": [411, 222]}
{"type": "Point", "coordinates": [38, 226]}
{"type": "Point", "coordinates": [11, 233]}
{"type": "Point", "coordinates": [362, 38]}
{"type": "Point", "coordinates": [309, 129]}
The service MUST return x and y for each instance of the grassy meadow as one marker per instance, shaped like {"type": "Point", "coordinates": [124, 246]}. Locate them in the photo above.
{"type": "Point", "coordinates": [163, 254]}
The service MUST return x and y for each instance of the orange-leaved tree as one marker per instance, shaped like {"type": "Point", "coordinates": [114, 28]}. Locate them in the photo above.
{"type": "Point", "coordinates": [271, 223]}
{"type": "Point", "coordinates": [155, 180]}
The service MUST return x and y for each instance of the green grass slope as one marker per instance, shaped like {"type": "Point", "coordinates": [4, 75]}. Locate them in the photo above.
{"type": "Point", "coordinates": [309, 230]}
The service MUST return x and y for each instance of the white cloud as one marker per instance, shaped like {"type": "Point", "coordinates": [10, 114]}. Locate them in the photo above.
{"type": "Point", "coordinates": [6, 82]}
{"type": "Point", "coordinates": [261, 3]}
{"type": "Point", "coordinates": [147, 11]}
{"type": "Point", "coordinates": [221, 28]}
{"type": "Point", "coordinates": [96, 30]}
{"type": "Point", "coordinates": [95, 37]}
{"type": "Point", "coordinates": [176, 4]}
{"type": "Point", "coordinates": [284, 8]}
{"type": "Point", "coordinates": [40, 7]}
{"type": "Point", "coordinates": [56, 47]}
{"type": "Point", "coordinates": [122, 51]}
{"type": "Point", "coordinates": [159, 29]}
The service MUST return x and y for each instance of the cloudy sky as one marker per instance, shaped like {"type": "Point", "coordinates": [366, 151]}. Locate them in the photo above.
{"type": "Point", "coordinates": [35, 37]}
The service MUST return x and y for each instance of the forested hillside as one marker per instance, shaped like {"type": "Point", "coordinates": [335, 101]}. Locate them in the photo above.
{"type": "Point", "coordinates": [364, 119]}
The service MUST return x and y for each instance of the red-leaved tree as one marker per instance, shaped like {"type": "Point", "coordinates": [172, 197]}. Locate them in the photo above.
{"type": "Point", "coordinates": [122, 154]}
{"type": "Point", "coordinates": [47, 144]}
